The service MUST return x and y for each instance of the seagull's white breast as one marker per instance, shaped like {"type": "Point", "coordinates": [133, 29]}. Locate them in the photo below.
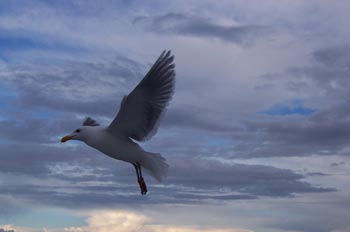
{"type": "Point", "coordinates": [113, 146]}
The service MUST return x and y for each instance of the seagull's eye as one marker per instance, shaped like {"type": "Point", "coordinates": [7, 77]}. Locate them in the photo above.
{"type": "Point", "coordinates": [77, 130]}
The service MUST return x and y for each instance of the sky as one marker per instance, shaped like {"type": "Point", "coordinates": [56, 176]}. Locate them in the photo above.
{"type": "Point", "coordinates": [257, 134]}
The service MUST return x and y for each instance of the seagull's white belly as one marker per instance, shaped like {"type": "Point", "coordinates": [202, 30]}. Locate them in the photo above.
{"type": "Point", "coordinates": [116, 147]}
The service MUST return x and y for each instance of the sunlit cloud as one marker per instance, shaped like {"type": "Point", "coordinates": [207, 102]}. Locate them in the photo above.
{"type": "Point", "coordinates": [127, 221]}
{"type": "Point", "coordinates": [7, 228]}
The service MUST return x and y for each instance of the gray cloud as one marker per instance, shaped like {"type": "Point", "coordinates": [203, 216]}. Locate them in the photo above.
{"type": "Point", "coordinates": [21, 39]}
{"type": "Point", "coordinates": [188, 25]}
{"type": "Point", "coordinates": [334, 56]}
{"type": "Point", "coordinates": [256, 180]}
{"type": "Point", "coordinates": [324, 132]}
{"type": "Point", "coordinates": [336, 164]}
{"type": "Point", "coordinates": [35, 157]}
{"type": "Point", "coordinates": [49, 95]}
{"type": "Point", "coordinates": [86, 178]}
{"type": "Point", "coordinates": [73, 86]}
{"type": "Point", "coordinates": [5, 230]}
{"type": "Point", "coordinates": [324, 85]}
{"type": "Point", "coordinates": [37, 130]}
{"type": "Point", "coordinates": [292, 136]}
{"type": "Point", "coordinates": [319, 218]}
{"type": "Point", "coordinates": [61, 94]}
{"type": "Point", "coordinates": [196, 118]}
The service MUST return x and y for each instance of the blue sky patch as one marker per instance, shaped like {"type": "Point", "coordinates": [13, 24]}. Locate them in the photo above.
{"type": "Point", "coordinates": [17, 40]}
{"type": "Point", "coordinates": [43, 217]}
{"type": "Point", "coordinates": [295, 107]}
{"type": "Point", "coordinates": [6, 95]}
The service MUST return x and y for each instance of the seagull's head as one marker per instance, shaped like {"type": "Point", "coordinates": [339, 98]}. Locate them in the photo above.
{"type": "Point", "coordinates": [81, 133]}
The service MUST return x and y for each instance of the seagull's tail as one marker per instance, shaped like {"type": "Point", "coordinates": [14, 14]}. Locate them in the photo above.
{"type": "Point", "coordinates": [156, 165]}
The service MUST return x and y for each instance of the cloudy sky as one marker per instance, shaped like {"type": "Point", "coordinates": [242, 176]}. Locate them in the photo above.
{"type": "Point", "coordinates": [257, 135]}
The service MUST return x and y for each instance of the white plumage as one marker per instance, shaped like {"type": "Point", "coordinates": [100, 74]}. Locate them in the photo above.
{"type": "Point", "coordinates": [137, 119]}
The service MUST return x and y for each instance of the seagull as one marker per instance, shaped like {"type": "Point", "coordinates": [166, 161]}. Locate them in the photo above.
{"type": "Point", "coordinates": [137, 120]}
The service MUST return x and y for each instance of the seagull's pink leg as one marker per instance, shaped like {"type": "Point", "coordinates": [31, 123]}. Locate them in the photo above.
{"type": "Point", "coordinates": [143, 183]}
{"type": "Point", "coordinates": [140, 180]}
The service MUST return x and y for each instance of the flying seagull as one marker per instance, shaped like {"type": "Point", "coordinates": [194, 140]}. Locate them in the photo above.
{"type": "Point", "coordinates": [137, 119]}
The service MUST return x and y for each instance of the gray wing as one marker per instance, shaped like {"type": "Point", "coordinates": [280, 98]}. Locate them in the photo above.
{"type": "Point", "coordinates": [139, 112]}
{"type": "Point", "coordinates": [90, 122]}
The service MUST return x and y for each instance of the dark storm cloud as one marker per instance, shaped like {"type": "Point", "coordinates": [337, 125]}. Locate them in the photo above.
{"type": "Point", "coordinates": [182, 24]}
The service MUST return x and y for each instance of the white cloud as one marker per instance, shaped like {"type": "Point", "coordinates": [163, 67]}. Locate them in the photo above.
{"type": "Point", "coordinates": [186, 229]}
{"type": "Point", "coordinates": [127, 221]}
{"type": "Point", "coordinates": [112, 221]}
{"type": "Point", "coordinates": [7, 228]}
{"type": "Point", "coordinates": [12, 228]}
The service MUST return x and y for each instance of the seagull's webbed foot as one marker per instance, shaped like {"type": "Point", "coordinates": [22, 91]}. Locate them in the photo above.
{"type": "Point", "coordinates": [143, 186]}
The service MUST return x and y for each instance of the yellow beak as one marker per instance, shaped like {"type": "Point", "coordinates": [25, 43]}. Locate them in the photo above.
{"type": "Point", "coordinates": [66, 138]}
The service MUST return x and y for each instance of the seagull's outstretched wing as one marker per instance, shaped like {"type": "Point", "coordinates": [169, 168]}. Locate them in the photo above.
{"type": "Point", "coordinates": [140, 111]}
{"type": "Point", "coordinates": [90, 122]}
